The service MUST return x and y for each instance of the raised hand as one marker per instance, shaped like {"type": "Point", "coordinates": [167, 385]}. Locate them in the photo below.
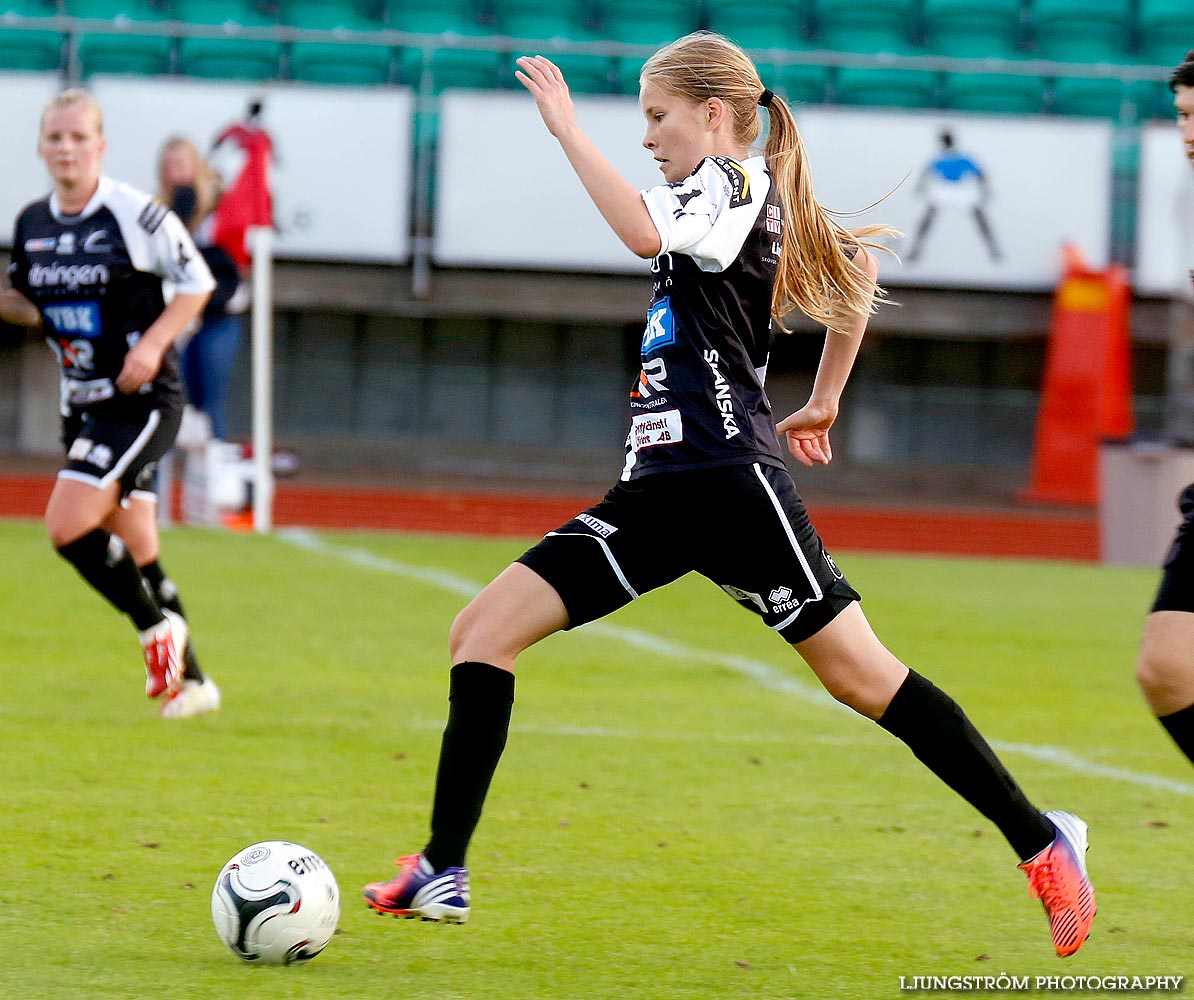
{"type": "Point", "coordinates": [546, 83]}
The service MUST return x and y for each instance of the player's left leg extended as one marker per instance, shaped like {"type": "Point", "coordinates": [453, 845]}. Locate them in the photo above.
{"type": "Point", "coordinates": [858, 670]}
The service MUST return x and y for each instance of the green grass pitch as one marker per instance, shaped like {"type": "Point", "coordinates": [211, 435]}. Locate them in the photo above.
{"type": "Point", "coordinates": [678, 814]}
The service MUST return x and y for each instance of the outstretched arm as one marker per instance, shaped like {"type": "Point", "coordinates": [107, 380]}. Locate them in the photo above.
{"type": "Point", "coordinates": [615, 198]}
{"type": "Point", "coordinates": [807, 430]}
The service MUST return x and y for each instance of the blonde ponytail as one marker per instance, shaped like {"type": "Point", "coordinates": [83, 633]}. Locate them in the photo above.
{"type": "Point", "coordinates": [815, 274]}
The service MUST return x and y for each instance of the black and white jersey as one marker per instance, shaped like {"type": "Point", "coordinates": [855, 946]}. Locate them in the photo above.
{"type": "Point", "coordinates": [699, 401]}
{"type": "Point", "coordinates": [101, 278]}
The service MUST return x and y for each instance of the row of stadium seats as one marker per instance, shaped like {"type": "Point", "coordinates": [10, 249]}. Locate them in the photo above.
{"type": "Point", "coordinates": [1148, 31]}
{"type": "Point", "coordinates": [232, 56]}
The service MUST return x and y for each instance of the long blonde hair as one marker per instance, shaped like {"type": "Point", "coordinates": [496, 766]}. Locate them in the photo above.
{"type": "Point", "coordinates": [815, 273]}
{"type": "Point", "coordinates": [206, 181]}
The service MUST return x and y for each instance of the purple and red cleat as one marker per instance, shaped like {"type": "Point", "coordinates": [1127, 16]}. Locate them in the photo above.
{"type": "Point", "coordinates": [417, 891]}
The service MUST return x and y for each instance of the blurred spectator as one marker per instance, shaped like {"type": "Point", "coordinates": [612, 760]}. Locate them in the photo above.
{"type": "Point", "coordinates": [188, 185]}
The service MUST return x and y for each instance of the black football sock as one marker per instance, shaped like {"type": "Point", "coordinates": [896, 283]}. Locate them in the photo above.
{"type": "Point", "coordinates": [104, 562]}
{"type": "Point", "coordinates": [166, 594]}
{"type": "Point", "coordinates": [480, 700]}
{"type": "Point", "coordinates": [944, 740]}
{"type": "Point", "coordinates": [1180, 725]}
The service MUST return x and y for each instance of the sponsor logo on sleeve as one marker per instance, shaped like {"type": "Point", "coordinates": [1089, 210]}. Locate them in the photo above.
{"type": "Point", "coordinates": [738, 177]}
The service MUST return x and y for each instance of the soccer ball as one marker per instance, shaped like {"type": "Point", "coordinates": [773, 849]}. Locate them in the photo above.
{"type": "Point", "coordinates": [276, 903]}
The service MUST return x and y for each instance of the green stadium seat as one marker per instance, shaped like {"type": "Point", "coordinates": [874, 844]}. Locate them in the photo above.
{"type": "Point", "coordinates": [436, 18]}
{"type": "Point", "coordinates": [469, 69]}
{"type": "Point", "coordinates": [230, 55]}
{"type": "Point", "coordinates": [1153, 99]}
{"type": "Point", "coordinates": [1166, 30]}
{"type": "Point", "coordinates": [353, 63]}
{"type": "Point", "coordinates": [1093, 98]}
{"type": "Point", "coordinates": [542, 19]}
{"type": "Point", "coordinates": [328, 15]}
{"type": "Point", "coordinates": [887, 87]}
{"type": "Point", "coordinates": [125, 52]}
{"type": "Point", "coordinates": [760, 24]}
{"type": "Point", "coordinates": [995, 93]}
{"type": "Point", "coordinates": [975, 29]}
{"type": "Point", "coordinates": [28, 49]}
{"type": "Point", "coordinates": [1082, 30]}
{"type": "Point", "coordinates": [648, 22]}
{"type": "Point", "coordinates": [801, 83]}
{"type": "Point", "coordinates": [586, 74]}
{"type": "Point", "coordinates": [878, 26]}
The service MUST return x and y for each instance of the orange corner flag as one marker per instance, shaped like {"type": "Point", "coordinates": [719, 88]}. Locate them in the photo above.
{"type": "Point", "coordinates": [1087, 391]}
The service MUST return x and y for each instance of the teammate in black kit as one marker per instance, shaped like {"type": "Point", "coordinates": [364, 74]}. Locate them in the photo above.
{"type": "Point", "coordinates": [735, 239]}
{"type": "Point", "coordinates": [88, 266]}
{"type": "Point", "coordinates": [1165, 667]}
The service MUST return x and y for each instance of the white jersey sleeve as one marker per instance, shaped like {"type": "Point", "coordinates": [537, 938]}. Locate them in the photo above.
{"type": "Point", "coordinates": [709, 214]}
{"type": "Point", "coordinates": [158, 242]}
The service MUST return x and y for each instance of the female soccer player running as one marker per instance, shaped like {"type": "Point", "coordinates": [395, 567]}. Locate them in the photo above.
{"type": "Point", "coordinates": [1165, 666]}
{"type": "Point", "coordinates": [88, 265]}
{"type": "Point", "coordinates": [735, 240]}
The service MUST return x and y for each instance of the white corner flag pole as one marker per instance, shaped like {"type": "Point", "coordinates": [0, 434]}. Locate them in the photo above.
{"type": "Point", "coordinates": [261, 246]}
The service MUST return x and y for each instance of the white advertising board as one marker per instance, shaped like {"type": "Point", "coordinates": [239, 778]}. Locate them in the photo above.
{"type": "Point", "coordinates": [1000, 202]}
{"type": "Point", "coordinates": [22, 97]}
{"type": "Point", "coordinates": [1165, 220]}
{"type": "Point", "coordinates": [506, 196]}
{"type": "Point", "coordinates": [983, 202]}
{"type": "Point", "coordinates": [341, 175]}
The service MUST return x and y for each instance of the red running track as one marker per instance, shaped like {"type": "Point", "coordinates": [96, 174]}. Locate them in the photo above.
{"type": "Point", "coordinates": [1024, 534]}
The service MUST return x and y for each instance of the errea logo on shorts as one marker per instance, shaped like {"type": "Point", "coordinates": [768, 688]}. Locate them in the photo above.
{"type": "Point", "coordinates": [782, 600]}
{"type": "Point", "coordinates": [86, 450]}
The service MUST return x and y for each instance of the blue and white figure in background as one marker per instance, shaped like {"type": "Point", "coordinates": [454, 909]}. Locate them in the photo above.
{"type": "Point", "coordinates": [953, 181]}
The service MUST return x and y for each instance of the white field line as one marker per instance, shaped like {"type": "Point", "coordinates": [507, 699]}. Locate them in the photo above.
{"type": "Point", "coordinates": [770, 677]}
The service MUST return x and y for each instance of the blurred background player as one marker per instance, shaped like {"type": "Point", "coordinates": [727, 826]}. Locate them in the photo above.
{"type": "Point", "coordinates": [735, 240]}
{"type": "Point", "coordinates": [188, 184]}
{"type": "Point", "coordinates": [88, 266]}
{"type": "Point", "coordinates": [1165, 666]}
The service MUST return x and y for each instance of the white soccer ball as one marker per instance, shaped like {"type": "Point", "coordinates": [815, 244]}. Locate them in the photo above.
{"type": "Point", "coordinates": [276, 903]}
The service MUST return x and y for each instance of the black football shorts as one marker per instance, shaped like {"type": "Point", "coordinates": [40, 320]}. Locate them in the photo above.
{"type": "Point", "coordinates": [1176, 592]}
{"type": "Point", "coordinates": [743, 526]}
{"type": "Point", "coordinates": [107, 445]}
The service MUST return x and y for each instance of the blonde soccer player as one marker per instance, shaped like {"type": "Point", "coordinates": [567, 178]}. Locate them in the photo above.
{"type": "Point", "coordinates": [736, 241]}
{"type": "Point", "coordinates": [90, 266]}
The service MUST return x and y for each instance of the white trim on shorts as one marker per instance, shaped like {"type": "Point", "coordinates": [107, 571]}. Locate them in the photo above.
{"type": "Point", "coordinates": [122, 463]}
{"type": "Point", "coordinates": [795, 548]}
{"type": "Point", "coordinates": [608, 555]}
